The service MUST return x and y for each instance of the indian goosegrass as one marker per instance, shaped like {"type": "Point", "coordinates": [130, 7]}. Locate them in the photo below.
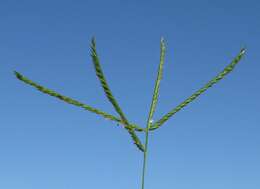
{"type": "Point", "coordinates": [121, 119]}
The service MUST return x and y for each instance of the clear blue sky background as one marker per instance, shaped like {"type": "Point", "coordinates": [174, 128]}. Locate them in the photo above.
{"type": "Point", "coordinates": [211, 144]}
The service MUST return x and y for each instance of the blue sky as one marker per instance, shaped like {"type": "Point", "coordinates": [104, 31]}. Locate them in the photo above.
{"type": "Point", "coordinates": [47, 144]}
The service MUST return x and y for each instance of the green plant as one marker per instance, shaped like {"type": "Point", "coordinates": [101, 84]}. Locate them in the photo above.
{"type": "Point", "coordinates": [122, 120]}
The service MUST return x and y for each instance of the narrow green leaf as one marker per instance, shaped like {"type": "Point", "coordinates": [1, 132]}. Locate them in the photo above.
{"type": "Point", "coordinates": [220, 76]}
{"type": "Point", "coordinates": [153, 106]}
{"type": "Point", "coordinates": [103, 81]}
{"type": "Point", "coordinates": [65, 98]}
{"type": "Point", "coordinates": [110, 97]}
{"type": "Point", "coordinates": [157, 83]}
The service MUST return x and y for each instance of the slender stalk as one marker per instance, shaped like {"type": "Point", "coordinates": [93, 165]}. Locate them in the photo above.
{"type": "Point", "coordinates": [145, 153]}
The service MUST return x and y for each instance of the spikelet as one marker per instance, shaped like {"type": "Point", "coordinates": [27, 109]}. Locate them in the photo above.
{"type": "Point", "coordinates": [109, 95]}
{"type": "Point", "coordinates": [65, 98]}
{"type": "Point", "coordinates": [157, 84]}
{"type": "Point", "coordinates": [220, 76]}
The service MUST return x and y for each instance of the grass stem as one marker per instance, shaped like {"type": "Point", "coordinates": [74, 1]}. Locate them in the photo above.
{"type": "Point", "coordinates": [145, 155]}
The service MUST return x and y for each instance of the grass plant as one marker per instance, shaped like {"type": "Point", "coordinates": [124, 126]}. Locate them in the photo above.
{"type": "Point", "coordinates": [121, 119]}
